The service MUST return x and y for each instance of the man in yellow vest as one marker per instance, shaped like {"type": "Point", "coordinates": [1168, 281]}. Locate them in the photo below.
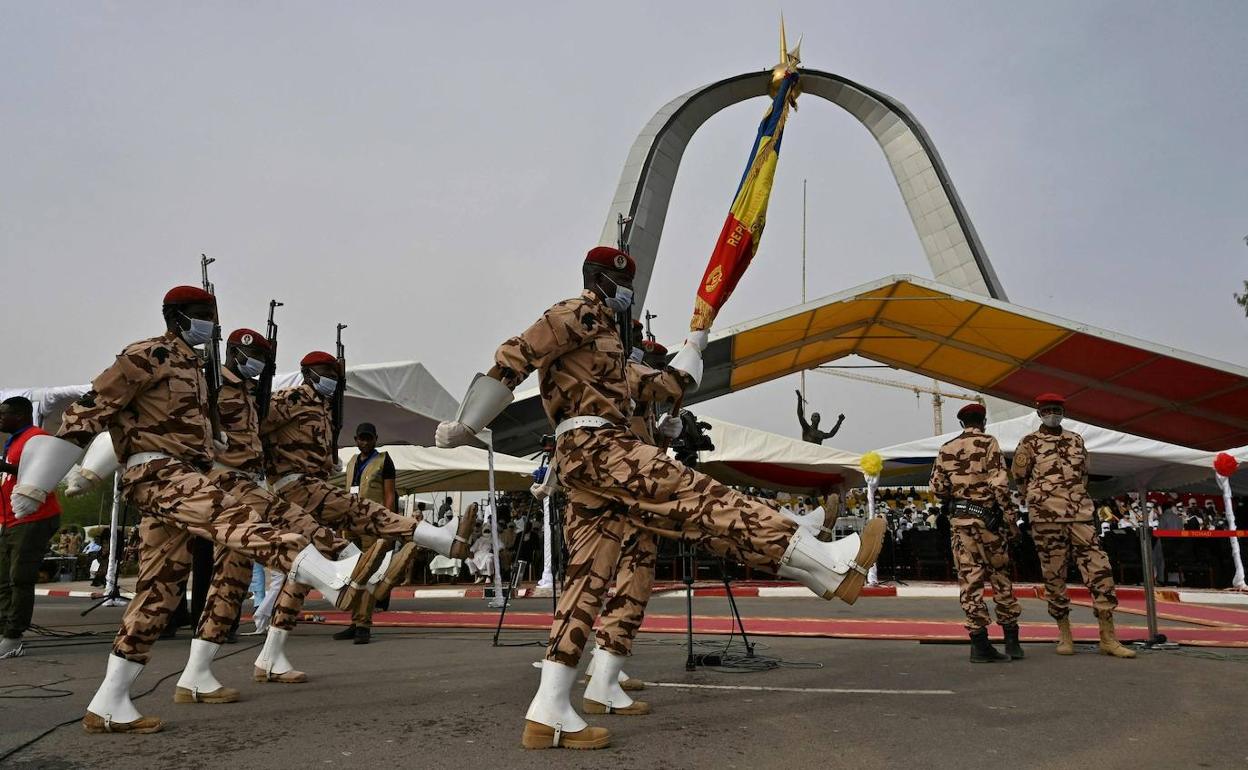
{"type": "Point", "coordinates": [370, 474]}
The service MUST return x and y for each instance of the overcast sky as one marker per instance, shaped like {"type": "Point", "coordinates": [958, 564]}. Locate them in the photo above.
{"type": "Point", "coordinates": [432, 174]}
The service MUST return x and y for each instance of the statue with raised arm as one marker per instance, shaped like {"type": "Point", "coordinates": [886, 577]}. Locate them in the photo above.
{"type": "Point", "coordinates": [810, 430]}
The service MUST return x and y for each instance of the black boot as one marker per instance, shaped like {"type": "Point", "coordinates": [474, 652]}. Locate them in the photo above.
{"type": "Point", "coordinates": [1012, 647]}
{"type": "Point", "coordinates": [981, 650]}
{"type": "Point", "coordinates": [345, 634]}
{"type": "Point", "coordinates": [362, 635]}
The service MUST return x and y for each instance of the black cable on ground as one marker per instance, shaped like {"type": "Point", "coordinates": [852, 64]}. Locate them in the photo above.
{"type": "Point", "coordinates": [77, 720]}
{"type": "Point", "coordinates": [53, 692]}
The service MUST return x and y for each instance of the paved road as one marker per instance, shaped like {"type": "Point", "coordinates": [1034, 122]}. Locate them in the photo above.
{"type": "Point", "coordinates": [434, 699]}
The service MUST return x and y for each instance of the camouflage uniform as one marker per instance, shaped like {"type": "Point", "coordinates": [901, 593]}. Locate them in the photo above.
{"type": "Point", "coordinates": [235, 470]}
{"type": "Point", "coordinates": [1052, 470]}
{"type": "Point", "coordinates": [634, 578]}
{"type": "Point", "coordinates": [297, 440]}
{"type": "Point", "coordinates": [613, 479]}
{"type": "Point", "coordinates": [971, 468]}
{"type": "Point", "coordinates": [154, 399]}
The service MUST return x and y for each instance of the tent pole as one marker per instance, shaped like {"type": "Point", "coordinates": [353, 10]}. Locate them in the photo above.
{"type": "Point", "coordinates": [498, 600]}
{"type": "Point", "coordinates": [110, 580]}
{"type": "Point", "coordinates": [1146, 559]}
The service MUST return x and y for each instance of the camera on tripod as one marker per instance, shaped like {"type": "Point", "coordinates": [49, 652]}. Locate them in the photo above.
{"type": "Point", "coordinates": [693, 438]}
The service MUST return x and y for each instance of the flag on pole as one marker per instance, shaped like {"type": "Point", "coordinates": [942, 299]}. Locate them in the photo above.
{"type": "Point", "coordinates": [743, 229]}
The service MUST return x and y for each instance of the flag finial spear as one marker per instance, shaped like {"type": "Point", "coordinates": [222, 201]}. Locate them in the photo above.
{"type": "Point", "coordinates": [789, 61]}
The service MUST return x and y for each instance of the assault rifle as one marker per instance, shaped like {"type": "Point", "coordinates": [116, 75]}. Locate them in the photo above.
{"type": "Point", "coordinates": [341, 391]}
{"type": "Point", "coordinates": [212, 350]}
{"type": "Point", "coordinates": [264, 388]}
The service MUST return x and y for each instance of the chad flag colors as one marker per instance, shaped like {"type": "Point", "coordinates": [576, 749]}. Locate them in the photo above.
{"type": "Point", "coordinates": [743, 229]}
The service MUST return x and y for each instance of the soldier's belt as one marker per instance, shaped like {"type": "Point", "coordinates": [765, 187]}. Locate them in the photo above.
{"type": "Point", "coordinates": [142, 458]}
{"type": "Point", "coordinates": [972, 509]}
{"type": "Point", "coordinates": [223, 468]}
{"type": "Point", "coordinates": [285, 481]}
{"type": "Point", "coordinates": [574, 423]}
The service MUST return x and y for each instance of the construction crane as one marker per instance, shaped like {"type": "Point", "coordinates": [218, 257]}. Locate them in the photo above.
{"type": "Point", "coordinates": [938, 395]}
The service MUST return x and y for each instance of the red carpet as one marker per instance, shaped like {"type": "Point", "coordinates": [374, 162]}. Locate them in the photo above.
{"type": "Point", "coordinates": [864, 628]}
{"type": "Point", "coordinates": [1200, 614]}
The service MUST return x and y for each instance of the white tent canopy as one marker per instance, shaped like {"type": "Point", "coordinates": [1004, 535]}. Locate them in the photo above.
{"type": "Point", "coordinates": [748, 456]}
{"type": "Point", "coordinates": [465, 468]}
{"type": "Point", "coordinates": [1118, 462]}
{"type": "Point", "coordinates": [401, 398]}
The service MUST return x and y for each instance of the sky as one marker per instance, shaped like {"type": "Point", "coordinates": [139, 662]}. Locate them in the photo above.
{"type": "Point", "coordinates": [432, 174]}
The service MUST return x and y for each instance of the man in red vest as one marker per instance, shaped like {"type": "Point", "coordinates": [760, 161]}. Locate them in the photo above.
{"type": "Point", "coordinates": [23, 542]}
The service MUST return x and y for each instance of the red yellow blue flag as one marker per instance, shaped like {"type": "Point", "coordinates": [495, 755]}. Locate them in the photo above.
{"type": "Point", "coordinates": [743, 229]}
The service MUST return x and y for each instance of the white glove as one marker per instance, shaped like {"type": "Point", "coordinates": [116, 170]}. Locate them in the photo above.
{"type": "Point", "coordinates": [452, 434]}
{"type": "Point", "coordinates": [77, 484]}
{"type": "Point", "coordinates": [699, 339]}
{"type": "Point", "coordinates": [23, 506]}
{"type": "Point", "coordinates": [669, 426]}
{"type": "Point", "coordinates": [221, 442]}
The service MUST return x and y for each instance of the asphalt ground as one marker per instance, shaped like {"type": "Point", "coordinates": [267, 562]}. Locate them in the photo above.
{"type": "Point", "coordinates": [446, 698]}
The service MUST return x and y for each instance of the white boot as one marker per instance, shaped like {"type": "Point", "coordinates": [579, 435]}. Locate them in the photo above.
{"type": "Point", "coordinates": [803, 577]}
{"type": "Point", "coordinates": [551, 722]}
{"type": "Point", "coordinates": [604, 695]}
{"type": "Point", "coordinates": [328, 577]}
{"type": "Point", "coordinates": [452, 538]}
{"type": "Point", "coordinates": [838, 568]}
{"type": "Point", "coordinates": [806, 522]}
{"type": "Point", "coordinates": [111, 710]}
{"type": "Point", "coordinates": [552, 706]}
{"type": "Point", "coordinates": [623, 677]}
{"type": "Point", "coordinates": [11, 648]}
{"type": "Point", "coordinates": [272, 665]}
{"type": "Point", "coordinates": [197, 684]}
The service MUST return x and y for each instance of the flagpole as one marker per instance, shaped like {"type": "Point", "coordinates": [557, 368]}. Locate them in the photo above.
{"type": "Point", "coordinates": [802, 375]}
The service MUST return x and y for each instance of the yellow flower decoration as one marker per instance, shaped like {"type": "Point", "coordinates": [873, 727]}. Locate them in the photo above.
{"type": "Point", "coordinates": [871, 463]}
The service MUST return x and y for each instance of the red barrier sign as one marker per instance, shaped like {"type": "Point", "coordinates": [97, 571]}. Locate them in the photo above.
{"type": "Point", "coordinates": [1201, 532]}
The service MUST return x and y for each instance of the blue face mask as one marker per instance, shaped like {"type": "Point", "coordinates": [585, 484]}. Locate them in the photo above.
{"type": "Point", "coordinates": [251, 367]}
{"type": "Point", "coordinates": [622, 299]}
{"type": "Point", "coordinates": [326, 386]}
{"type": "Point", "coordinates": [199, 331]}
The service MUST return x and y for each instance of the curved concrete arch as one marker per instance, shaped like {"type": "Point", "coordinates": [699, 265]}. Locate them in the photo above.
{"type": "Point", "coordinates": [949, 239]}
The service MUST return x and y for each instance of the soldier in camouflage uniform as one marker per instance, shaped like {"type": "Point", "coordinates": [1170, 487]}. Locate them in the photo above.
{"type": "Point", "coordinates": [153, 401]}
{"type": "Point", "coordinates": [624, 611]}
{"type": "Point", "coordinates": [970, 479]}
{"type": "Point", "coordinates": [238, 469]}
{"type": "Point", "coordinates": [299, 458]}
{"type": "Point", "coordinates": [1051, 468]}
{"type": "Point", "coordinates": [618, 481]}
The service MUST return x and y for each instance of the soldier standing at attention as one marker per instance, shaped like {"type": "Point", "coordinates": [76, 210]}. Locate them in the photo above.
{"type": "Point", "coordinates": [1051, 468]}
{"type": "Point", "coordinates": [970, 479]}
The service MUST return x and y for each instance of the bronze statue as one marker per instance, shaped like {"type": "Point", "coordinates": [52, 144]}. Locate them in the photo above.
{"type": "Point", "coordinates": [810, 430]}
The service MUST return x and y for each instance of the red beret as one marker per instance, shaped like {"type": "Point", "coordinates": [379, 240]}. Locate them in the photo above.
{"type": "Point", "coordinates": [972, 409]}
{"type": "Point", "coordinates": [318, 357]}
{"type": "Point", "coordinates": [652, 346]}
{"type": "Point", "coordinates": [637, 325]}
{"type": "Point", "coordinates": [1054, 399]}
{"type": "Point", "coordinates": [612, 259]}
{"type": "Point", "coordinates": [248, 337]}
{"type": "Point", "coordinates": [188, 295]}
